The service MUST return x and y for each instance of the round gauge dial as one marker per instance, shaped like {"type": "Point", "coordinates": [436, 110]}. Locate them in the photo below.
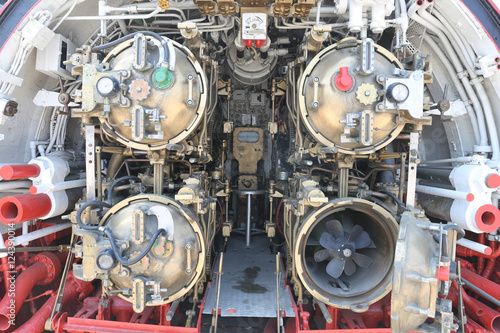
{"type": "Point", "coordinates": [107, 86]}
{"type": "Point", "coordinates": [398, 92]}
{"type": "Point", "coordinates": [106, 260]}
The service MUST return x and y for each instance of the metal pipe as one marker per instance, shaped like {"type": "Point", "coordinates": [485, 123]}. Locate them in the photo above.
{"type": "Point", "coordinates": [441, 192]}
{"type": "Point", "coordinates": [481, 292]}
{"type": "Point", "coordinates": [4, 261]}
{"type": "Point", "coordinates": [325, 312]}
{"type": "Point", "coordinates": [483, 313]}
{"type": "Point", "coordinates": [461, 51]}
{"type": "Point", "coordinates": [433, 174]}
{"type": "Point", "coordinates": [99, 171]}
{"type": "Point", "coordinates": [49, 188]}
{"type": "Point", "coordinates": [249, 220]}
{"type": "Point", "coordinates": [10, 185]}
{"type": "Point", "coordinates": [40, 233]}
{"type": "Point", "coordinates": [115, 17]}
{"type": "Point", "coordinates": [474, 246]}
{"type": "Point", "coordinates": [486, 285]}
{"type": "Point", "coordinates": [59, 248]}
{"type": "Point", "coordinates": [463, 159]}
{"type": "Point", "coordinates": [171, 311]}
{"type": "Point", "coordinates": [484, 119]}
{"type": "Point", "coordinates": [458, 86]}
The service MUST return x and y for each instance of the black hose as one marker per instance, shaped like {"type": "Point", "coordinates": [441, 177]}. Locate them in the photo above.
{"type": "Point", "coordinates": [394, 197]}
{"type": "Point", "coordinates": [129, 36]}
{"type": "Point", "coordinates": [382, 204]}
{"type": "Point", "coordinates": [85, 206]}
{"type": "Point", "coordinates": [116, 182]}
{"type": "Point", "coordinates": [141, 255]}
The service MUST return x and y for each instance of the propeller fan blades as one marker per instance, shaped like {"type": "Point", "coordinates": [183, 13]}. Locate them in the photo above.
{"type": "Point", "coordinates": [341, 247]}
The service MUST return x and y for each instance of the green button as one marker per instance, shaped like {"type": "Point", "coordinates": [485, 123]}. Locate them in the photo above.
{"type": "Point", "coordinates": [163, 78]}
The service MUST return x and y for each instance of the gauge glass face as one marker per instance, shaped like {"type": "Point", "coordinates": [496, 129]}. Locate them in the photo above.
{"type": "Point", "coordinates": [400, 92]}
{"type": "Point", "coordinates": [105, 261]}
{"type": "Point", "coordinates": [106, 86]}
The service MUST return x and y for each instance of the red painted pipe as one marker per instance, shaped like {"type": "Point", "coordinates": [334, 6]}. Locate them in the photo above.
{"type": "Point", "coordinates": [20, 208]}
{"type": "Point", "coordinates": [488, 218]}
{"type": "Point", "coordinates": [462, 252]}
{"type": "Point", "coordinates": [6, 274]}
{"type": "Point", "coordinates": [480, 261]}
{"type": "Point", "coordinates": [490, 266]}
{"type": "Point", "coordinates": [482, 283]}
{"type": "Point", "coordinates": [465, 264]}
{"type": "Point", "coordinates": [12, 301]}
{"type": "Point", "coordinates": [488, 317]}
{"type": "Point", "coordinates": [10, 172]}
{"type": "Point", "coordinates": [36, 324]}
{"type": "Point", "coordinates": [483, 313]}
{"type": "Point", "coordinates": [473, 327]}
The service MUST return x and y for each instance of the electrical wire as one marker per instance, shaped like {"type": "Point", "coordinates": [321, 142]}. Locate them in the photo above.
{"type": "Point", "coordinates": [65, 15]}
{"type": "Point", "coordinates": [141, 255]}
{"type": "Point", "coordinates": [116, 182]}
{"type": "Point", "coordinates": [93, 203]}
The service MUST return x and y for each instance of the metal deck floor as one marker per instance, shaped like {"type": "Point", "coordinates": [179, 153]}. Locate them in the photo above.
{"type": "Point", "coordinates": [248, 285]}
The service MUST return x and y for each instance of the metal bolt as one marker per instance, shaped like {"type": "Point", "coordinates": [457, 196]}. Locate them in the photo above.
{"type": "Point", "coordinates": [315, 104]}
{"type": "Point", "coordinates": [316, 79]}
{"type": "Point", "coordinates": [189, 102]}
{"type": "Point", "coordinates": [367, 93]}
{"type": "Point", "coordinates": [347, 252]}
{"type": "Point", "coordinates": [124, 245]}
{"type": "Point", "coordinates": [124, 101]}
{"type": "Point", "coordinates": [190, 76]}
{"type": "Point", "coordinates": [380, 107]}
{"type": "Point", "coordinates": [188, 271]}
{"type": "Point", "coordinates": [189, 246]}
{"type": "Point", "coordinates": [139, 89]}
{"type": "Point", "coordinates": [123, 73]}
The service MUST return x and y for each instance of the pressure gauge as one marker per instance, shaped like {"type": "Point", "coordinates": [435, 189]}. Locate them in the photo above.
{"type": "Point", "coordinates": [107, 86]}
{"type": "Point", "coordinates": [398, 92]}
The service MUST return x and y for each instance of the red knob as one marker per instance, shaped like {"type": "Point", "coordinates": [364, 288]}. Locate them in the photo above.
{"type": "Point", "coordinates": [343, 81]}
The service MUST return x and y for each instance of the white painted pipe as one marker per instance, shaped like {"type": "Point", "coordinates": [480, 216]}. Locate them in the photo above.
{"type": "Point", "coordinates": [26, 231]}
{"type": "Point", "coordinates": [431, 23]}
{"type": "Point", "coordinates": [2, 246]}
{"type": "Point", "coordinates": [403, 18]}
{"type": "Point", "coordinates": [463, 159]}
{"type": "Point", "coordinates": [442, 192]}
{"type": "Point", "coordinates": [114, 17]}
{"type": "Point", "coordinates": [474, 246]}
{"type": "Point", "coordinates": [458, 86]}
{"type": "Point", "coordinates": [40, 233]}
{"type": "Point", "coordinates": [49, 188]}
{"type": "Point", "coordinates": [10, 185]}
